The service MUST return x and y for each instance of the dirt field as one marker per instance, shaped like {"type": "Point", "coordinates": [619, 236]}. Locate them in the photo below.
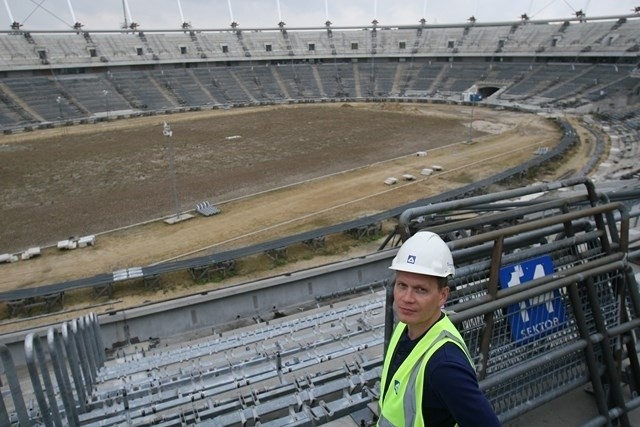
{"type": "Point", "coordinates": [304, 167]}
{"type": "Point", "coordinates": [97, 178]}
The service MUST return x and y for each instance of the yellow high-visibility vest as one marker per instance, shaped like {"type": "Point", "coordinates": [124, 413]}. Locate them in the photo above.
{"type": "Point", "coordinates": [401, 403]}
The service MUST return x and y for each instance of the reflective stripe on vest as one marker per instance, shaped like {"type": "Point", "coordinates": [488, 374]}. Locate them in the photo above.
{"type": "Point", "coordinates": [412, 395]}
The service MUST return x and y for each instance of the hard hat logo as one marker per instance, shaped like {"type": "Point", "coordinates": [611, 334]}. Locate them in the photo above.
{"type": "Point", "coordinates": [411, 259]}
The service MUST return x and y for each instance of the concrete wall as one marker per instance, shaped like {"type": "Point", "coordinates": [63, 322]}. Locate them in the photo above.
{"type": "Point", "coordinates": [219, 308]}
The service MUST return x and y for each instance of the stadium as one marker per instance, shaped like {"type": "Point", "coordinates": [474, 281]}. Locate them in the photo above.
{"type": "Point", "coordinates": [148, 174]}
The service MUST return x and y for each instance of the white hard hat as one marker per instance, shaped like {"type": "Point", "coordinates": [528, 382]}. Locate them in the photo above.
{"type": "Point", "coordinates": [424, 253]}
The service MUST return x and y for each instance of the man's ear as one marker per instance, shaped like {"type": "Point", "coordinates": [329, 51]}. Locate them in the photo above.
{"type": "Point", "coordinates": [444, 294]}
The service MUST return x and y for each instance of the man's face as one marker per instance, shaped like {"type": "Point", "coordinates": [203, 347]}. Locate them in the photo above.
{"type": "Point", "coordinates": [418, 300]}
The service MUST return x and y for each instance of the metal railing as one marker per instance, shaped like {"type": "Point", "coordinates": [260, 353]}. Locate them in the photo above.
{"type": "Point", "coordinates": [543, 295]}
{"type": "Point", "coordinates": [77, 347]}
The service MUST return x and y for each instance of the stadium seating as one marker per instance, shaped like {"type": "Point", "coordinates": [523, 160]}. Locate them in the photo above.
{"type": "Point", "coordinates": [540, 63]}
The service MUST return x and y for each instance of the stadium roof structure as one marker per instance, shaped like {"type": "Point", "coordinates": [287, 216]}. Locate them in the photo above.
{"type": "Point", "coordinates": [48, 16]}
{"type": "Point", "coordinates": [580, 41]}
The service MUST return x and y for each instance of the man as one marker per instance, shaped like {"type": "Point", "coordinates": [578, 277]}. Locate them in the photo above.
{"type": "Point", "coordinates": [428, 377]}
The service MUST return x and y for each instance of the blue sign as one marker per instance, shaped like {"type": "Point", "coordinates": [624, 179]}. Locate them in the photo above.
{"type": "Point", "coordinates": [536, 317]}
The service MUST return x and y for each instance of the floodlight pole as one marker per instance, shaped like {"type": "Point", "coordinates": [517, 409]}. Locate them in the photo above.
{"type": "Point", "coordinates": [105, 93]}
{"type": "Point", "coordinates": [470, 138]}
{"type": "Point", "coordinates": [168, 133]}
{"type": "Point", "coordinates": [59, 102]}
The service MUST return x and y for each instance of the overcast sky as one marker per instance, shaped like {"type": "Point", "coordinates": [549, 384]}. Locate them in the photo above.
{"type": "Point", "coordinates": [208, 14]}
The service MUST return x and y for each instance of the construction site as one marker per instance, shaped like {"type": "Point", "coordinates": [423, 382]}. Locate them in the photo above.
{"type": "Point", "coordinates": [209, 244]}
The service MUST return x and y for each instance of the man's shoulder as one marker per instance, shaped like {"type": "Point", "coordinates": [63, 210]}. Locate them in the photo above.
{"type": "Point", "coordinates": [449, 354]}
{"type": "Point", "coordinates": [449, 367]}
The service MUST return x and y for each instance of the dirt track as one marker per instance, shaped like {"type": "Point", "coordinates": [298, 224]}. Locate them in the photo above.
{"type": "Point", "coordinates": [82, 182]}
{"type": "Point", "coordinates": [85, 180]}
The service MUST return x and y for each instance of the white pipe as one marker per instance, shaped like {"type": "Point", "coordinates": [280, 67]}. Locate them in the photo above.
{"type": "Point", "coordinates": [230, 10]}
{"type": "Point", "coordinates": [181, 14]}
{"type": "Point", "coordinates": [127, 10]}
{"type": "Point", "coordinates": [73, 15]}
{"type": "Point", "coordinates": [124, 12]}
{"type": "Point", "coordinates": [6, 5]}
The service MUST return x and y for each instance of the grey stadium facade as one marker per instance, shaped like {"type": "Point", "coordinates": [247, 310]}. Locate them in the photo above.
{"type": "Point", "coordinates": [321, 365]}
